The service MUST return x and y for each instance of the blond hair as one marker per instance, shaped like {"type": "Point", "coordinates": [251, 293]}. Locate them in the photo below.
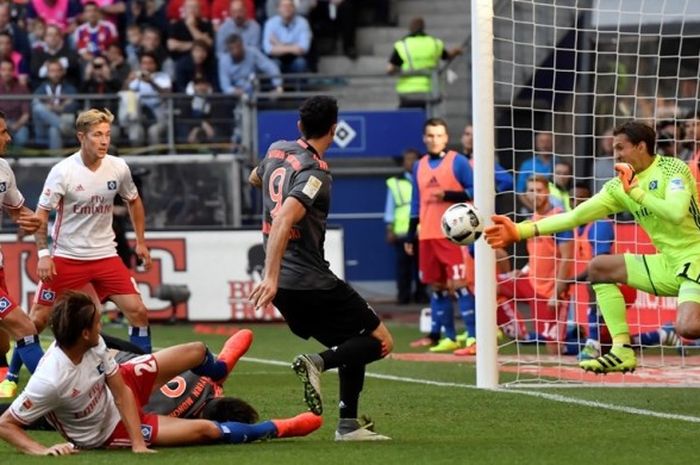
{"type": "Point", "coordinates": [91, 117]}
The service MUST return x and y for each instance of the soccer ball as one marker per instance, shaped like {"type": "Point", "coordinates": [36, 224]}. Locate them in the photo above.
{"type": "Point", "coordinates": [462, 224]}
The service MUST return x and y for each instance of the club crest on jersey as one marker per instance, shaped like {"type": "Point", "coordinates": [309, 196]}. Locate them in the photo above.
{"type": "Point", "coordinates": [653, 185]}
{"type": "Point", "coordinates": [48, 295]}
{"type": "Point", "coordinates": [146, 432]}
{"type": "Point", "coordinates": [5, 304]}
{"type": "Point", "coordinates": [112, 185]}
{"type": "Point", "coordinates": [3, 187]}
{"type": "Point", "coordinates": [101, 368]}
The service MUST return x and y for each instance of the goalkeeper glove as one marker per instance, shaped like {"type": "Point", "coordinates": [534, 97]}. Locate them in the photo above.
{"type": "Point", "coordinates": [503, 232]}
{"type": "Point", "coordinates": [625, 172]}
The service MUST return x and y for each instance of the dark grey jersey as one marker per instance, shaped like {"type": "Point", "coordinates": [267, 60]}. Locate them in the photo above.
{"type": "Point", "coordinates": [293, 169]}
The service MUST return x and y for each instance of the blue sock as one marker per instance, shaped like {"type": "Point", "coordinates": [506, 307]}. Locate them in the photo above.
{"type": "Point", "coordinates": [30, 351]}
{"type": "Point", "coordinates": [233, 432]}
{"type": "Point", "coordinates": [435, 316]}
{"type": "Point", "coordinates": [593, 322]}
{"type": "Point", "coordinates": [652, 338]}
{"type": "Point", "coordinates": [466, 308]}
{"type": "Point", "coordinates": [448, 316]}
{"type": "Point", "coordinates": [141, 336]}
{"type": "Point", "coordinates": [211, 367]}
{"type": "Point", "coordinates": [15, 366]}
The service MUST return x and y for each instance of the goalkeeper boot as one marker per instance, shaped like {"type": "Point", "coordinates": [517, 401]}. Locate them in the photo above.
{"type": "Point", "coordinates": [8, 389]}
{"type": "Point", "coordinates": [468, 349]}
{"type": "Point", "coordinates": [590, 351]}
{"type": "Point", "coordinates": [621, 358]}
{"type": "Point", "coordinates": [445, 345]}
{"type": "Point", "coordinates": [310, 375]}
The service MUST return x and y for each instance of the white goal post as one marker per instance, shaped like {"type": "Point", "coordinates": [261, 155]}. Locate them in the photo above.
{"type": "Point", "coordinates": [573, 70]}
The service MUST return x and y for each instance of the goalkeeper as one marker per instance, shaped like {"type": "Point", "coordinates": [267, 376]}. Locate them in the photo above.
{"type": "Point", "coordinates": [661, 194]}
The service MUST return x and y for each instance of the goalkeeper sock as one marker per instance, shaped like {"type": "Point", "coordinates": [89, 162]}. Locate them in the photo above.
{"type": "Point", "coordinates": [435, 317]}
{"type": "Point", "coordinates": [141, 336]}
{"type": "Point", "coordinates": [233, 432]}
{"type": "Point", "coordinates": [211, 367]}
{"type": "Point", "coordinates": [593, 330]}
{"type": "Point", "coordinates": [466, 308]}
{"type": "Point", "coordinates": [358, 350]}
{"type": "Point", "coordinates": [612, 306]}
{"type": "Point", "coordinates": [15, 366]}
{"type": "Point", "coordinates": [30, 351]}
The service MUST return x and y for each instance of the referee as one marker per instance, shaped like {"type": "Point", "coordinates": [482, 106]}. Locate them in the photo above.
{"type": "Point", "coordinates": [296, 185]}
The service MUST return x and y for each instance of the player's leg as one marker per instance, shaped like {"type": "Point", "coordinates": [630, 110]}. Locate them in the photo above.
{"type": "Point", "coordinates": [27, 347]}
{"type": "Point", "coordinates": [465, 299]}
{"type": "Point", "coordinates": [112, 281]}
{"type": "Point", "coordinates": [192, 356]}
{"type": "Point", "coordinates": [4, 350]}
{"type": "Point", "coordinates": [648, 273]}
{"type": "Point", "coordinates": [431, 273]}
{"type": "Point", "coordinates": [688, 314]}
{"type": "Point", "coordinates": [177, 431]}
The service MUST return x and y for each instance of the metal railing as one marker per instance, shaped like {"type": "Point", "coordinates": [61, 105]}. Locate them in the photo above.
{"type": "Point", "coordinates": [232, 117]}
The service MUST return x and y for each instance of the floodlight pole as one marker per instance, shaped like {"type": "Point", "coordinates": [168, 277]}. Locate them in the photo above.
{"type": "Point", "coordinates": [484, 189]}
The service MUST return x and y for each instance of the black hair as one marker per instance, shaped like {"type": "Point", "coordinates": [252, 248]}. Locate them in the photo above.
{"type": "Point", "coordinates": [230, 409]}
{"type": "Point", "coordinates": [435, 122]}
{"type": "Point", "coordinates": [233, 39]}
{"type": "Point", "coordinates": [638, 132]}
{"type": "Point", "coordinates": [318, 114]}
{"type": "Point", "coordinates": [2, 115]}
{"type": "Point", "coordinates": [72, 314]}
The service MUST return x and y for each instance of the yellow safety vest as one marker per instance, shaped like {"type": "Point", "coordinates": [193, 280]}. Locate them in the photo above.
{"type": "Point", "coordinates": [422, 52]}
{"type": "Point", "coordinates": [401, 189]}
{"type": "Point", "coordinates": [562, 195]}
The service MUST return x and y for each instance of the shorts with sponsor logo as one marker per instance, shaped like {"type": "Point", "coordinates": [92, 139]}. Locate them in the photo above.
{"type": "Point", "coordinates": [6, 302]}
{"type": "Point", "coordinates": [331, 316]}
{"type": "Point", "coordinates": [439, 260]}
{"type": "Point", "coordinates": [109, 276]}
{"type": "Point", "coordinates": [140, 375]}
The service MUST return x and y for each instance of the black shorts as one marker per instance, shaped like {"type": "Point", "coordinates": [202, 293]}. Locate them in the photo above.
{"type": "Point", "coordinates": [330, 316]}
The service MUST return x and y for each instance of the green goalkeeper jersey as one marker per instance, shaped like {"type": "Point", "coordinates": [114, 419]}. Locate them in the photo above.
{"type": "Point", "coordinates": [665, 204]}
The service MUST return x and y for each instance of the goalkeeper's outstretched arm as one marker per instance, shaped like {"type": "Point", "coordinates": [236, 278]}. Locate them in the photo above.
{"type": "Point", "coordinates": [504, 232]}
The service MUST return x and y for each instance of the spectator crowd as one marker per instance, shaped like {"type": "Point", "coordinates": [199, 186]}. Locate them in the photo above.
{"type": "Point", "coordinates": [132, 51]}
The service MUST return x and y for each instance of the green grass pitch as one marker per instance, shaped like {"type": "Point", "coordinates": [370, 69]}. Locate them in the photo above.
{"type": "Point", "coordinates": [430, 423]}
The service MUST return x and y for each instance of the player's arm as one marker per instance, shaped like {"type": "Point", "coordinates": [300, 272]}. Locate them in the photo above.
{"type": "Point", "coordinates": [126, 404]}
{"type": "Point", "coordinates": [25, 218]}
{"type": "Point", "coordinates": [137, 213]}
{"type": "Point", "coordinates": [12, 432]}
{"type": "Point", "coordinates": [464, 174]}
{"type": "Point", "coordinates": [45, 267]}
{"type": "Point", "coordinates": [504, 232]}
{"type": "Point", "coordinates": [291, 213]}
{"type": "Point", "coordinates": [415, 211]}
{"type": "Point", "coordinates": [673, 208]}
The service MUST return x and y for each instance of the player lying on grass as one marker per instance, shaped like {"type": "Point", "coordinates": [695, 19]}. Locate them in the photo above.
{"type": "Point", "coordinates": [96, 403]}
{"type": "Point", "coordinates": [661, 194]}
{"type": "Point", "coordinates": [187, 395]}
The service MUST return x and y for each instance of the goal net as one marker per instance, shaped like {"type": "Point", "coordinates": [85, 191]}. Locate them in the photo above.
{"type": "Point", "coordinates": [566, 72]}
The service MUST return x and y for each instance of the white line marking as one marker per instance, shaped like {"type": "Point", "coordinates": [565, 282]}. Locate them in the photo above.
{"type": "Point", "coordinates": [541, 395]}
